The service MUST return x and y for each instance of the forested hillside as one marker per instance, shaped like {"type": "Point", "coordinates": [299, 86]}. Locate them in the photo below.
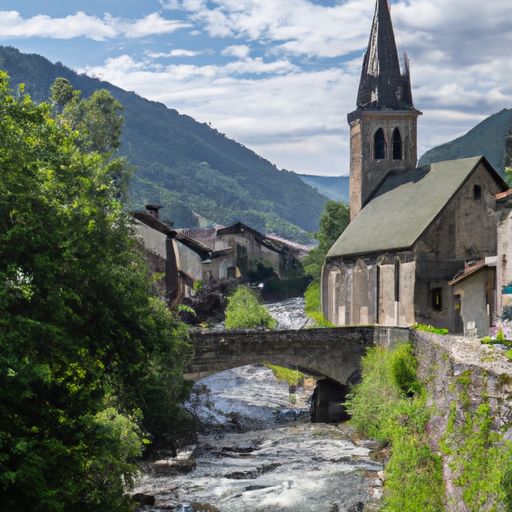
{"type": "Point", "coordinates": [334, 187]}
{"type": "Point", "coordinates": [187, 166]}
{"type": "Point", "coordinates": [488, 138]}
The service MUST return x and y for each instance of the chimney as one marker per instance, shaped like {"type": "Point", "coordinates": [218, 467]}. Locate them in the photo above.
{"type": "Point", "coordinates": [154, 210]}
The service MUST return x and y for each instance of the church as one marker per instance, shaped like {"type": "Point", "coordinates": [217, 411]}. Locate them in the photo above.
{"type": "Point", "coordinates": [425, 245]}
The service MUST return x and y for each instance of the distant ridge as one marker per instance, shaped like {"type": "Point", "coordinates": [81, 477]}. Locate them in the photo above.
{"type": "Point", "coordinates": [334, 187]}
{"type": "Point", "coordinates": [486, 138]}
{"type": "Point", "coordinates": [189, 167]}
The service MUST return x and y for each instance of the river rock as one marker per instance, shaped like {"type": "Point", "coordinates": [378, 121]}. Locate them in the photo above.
{"type": "Point", "coordinates": [204, 507]}
{"type": "Point", "coordinates": [357, 507]}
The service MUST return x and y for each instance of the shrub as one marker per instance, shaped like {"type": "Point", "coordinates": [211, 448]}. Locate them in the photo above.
{"type": "Point", "coordinates": [291, 376]}
{"type": "Point", "coordinates": [313, 306]}
{"type": "Point", "coordinates": [429, 328]}
{"type": "Point", "coordinates": [246, 312]}
{"type": "Point", "coordinates": [390, 405]}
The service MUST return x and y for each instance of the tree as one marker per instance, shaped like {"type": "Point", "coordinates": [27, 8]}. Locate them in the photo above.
{"type": "Point", "coordinates": [244, 311]}
{"type": "Point", "coordinates": [90, 363]}
{"type": "Point", "coordinates": [333, 222]}
{"type": "Point", "coordinates": [98, 124]}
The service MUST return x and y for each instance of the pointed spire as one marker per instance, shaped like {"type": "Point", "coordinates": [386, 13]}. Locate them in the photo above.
{"type": "Point", "coordinates": [382, 87]}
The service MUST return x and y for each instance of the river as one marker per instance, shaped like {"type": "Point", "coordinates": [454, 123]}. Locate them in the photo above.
{"type": "Point", "coordinates": [250, 457]}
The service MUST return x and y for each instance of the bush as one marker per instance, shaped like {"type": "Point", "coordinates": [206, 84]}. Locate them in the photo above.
{"type": "Point", "coordinates": [429, 328]}
{"type": "Point", "coordinates": [244, 311]}
{"type": "Point", "coordinates": [293, 377]}
{"type": "Point", "coordinates": [391, 405]}
{"type": "Point", "coordinates": [313, 306]}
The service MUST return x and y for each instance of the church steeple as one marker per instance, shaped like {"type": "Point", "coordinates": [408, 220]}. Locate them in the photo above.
{"type": "Point", "coordinates": [382, 86]}
{"type": "Point", "coordinates": [383, 126]}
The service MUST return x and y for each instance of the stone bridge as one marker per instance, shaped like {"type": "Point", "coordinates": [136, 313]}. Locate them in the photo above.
{"type": "Point", "coordinates": [334, 353]}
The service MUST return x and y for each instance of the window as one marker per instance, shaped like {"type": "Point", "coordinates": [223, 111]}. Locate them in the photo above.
{"type": "Point", "coordinates": [397, 145]}
{"type": "Point", "coordinates": [477, 192]}
{"type": "Point", "coordinates": [437, 304]}
{"type": "Point", "coordinates": [379, 146]}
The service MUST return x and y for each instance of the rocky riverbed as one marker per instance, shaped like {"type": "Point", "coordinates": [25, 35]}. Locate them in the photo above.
{"type": "Point", "coordinates": [258, 452]}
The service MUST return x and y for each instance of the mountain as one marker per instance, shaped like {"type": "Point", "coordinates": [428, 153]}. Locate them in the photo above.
{"type": "Point", "coordinates": [334, 187]}
{"type": "Point", "coordinates": [487, 138]}
{"type": "Point", "coordinates": [196, 172]}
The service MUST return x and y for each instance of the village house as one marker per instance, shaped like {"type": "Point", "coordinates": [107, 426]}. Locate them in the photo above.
{"type": "Point", "coordinates": [183, 260]}
{"type": "Point", "coordinates": [249, 248]}
{"type": "Point", "coordinates": [425, 245]}
{"type": "Point", "coordinates": [213, 253]}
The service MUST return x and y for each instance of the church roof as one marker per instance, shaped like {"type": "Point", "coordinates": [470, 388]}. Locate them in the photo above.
{"type": "Point", "coordinates": [382, 87]}
{"type": "Point", "coordinates": [404, 206]}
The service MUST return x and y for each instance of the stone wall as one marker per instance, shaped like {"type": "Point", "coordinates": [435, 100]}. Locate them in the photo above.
{"type": "Point", "coordinates": [448, 365]}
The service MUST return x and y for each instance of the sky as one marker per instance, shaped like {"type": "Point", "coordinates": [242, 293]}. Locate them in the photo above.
{"type": "Point", "coordinates": [278, 76]}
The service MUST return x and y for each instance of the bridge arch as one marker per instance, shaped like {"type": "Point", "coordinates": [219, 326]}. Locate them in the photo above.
{"type": "Point", "coordinates": [334, 353]}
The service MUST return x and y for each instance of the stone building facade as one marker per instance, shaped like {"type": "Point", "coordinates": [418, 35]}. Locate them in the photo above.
{"type": "Point", "coordinates": [423, 245]}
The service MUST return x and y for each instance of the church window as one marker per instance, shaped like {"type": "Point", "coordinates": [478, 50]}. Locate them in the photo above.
{"type": "Point", "coordinates": [477, 192]}
{"type": "Point", "coordinates": [437, 304]}
{"type": "Point", "coordinates": [397, 145]}
{"type": "Point", "coordinates": [379, 145]}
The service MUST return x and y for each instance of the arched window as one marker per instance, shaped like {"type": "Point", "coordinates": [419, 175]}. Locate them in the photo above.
{"type": "Point", "coordinates": [379, 146]}
{"type": "Point", "coordinates": [477, 192]}
{"type": "Point", "coordinates": [397, 145]}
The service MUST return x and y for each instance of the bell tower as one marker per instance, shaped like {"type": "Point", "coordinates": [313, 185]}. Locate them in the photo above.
{"type": "Point", "coordinates": [383, 126]}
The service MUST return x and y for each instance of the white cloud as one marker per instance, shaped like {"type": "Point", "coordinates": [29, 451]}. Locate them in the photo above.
{"type": "Point", "coordinates": [294, 118]}
{"type": "Point", "coordinates": [82, 25]}
{"type": "Point", "coordinates": [291, 104]}
{"type": "Point", "coordinates": [174, 53]}
{"type": "Point", "coordinates": [238, 50]}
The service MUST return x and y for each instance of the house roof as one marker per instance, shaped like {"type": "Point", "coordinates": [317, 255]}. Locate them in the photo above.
{"type": "Point", "coordinates": [199, 248]}
{"type": "Point", "coordinates": [468, 271]}
{"type": "Point", "coordinates": [153, 222]}
{"type": "Point", "coordinates": [404, 205]}
{"type": "Point", "coordinates": [274, 244]}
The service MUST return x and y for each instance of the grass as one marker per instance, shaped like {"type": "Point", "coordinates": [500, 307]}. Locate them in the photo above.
{"type": "Point", "coordinates": [313, 305]}
{"type": "Point", "coordinates": [291, 376]}
{"type": "Point", "coordinates": [390, 405]}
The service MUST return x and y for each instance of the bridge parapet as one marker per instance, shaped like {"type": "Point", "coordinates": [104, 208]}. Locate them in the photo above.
{"type": "Point", "coordinates": [334, 352]}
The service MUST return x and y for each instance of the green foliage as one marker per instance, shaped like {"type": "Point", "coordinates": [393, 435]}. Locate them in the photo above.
{"type": "Point", "coordinates": [429, 328]}
{"type": "Point", "coordinates": [507, 157]}
{"type": "Point", "coordinates": [244, 311]}
{"type": "Point", "coordinates": [388, 377]}
{"type": "Point", "coordinates": [500, 336]}
{"type": "Point", "coordinates": [281, 289]}
{"type": "Point", "coordinates": [471, 444]}
{"type": "Point", "coordinates": [89, 362]}
{"type": "Point", "coordinates": [261, 270]}
{"type": "Point", "coordinates": [391, 405]}
{"type": "Point", "coordinates": [187, 166]}
{"type": "Point", "coordinates": [489, 138]}
{"type": "Point", "coordinates": [333, 222]}
{"type": "Point", "coordinates": [291, 376]}
{"type": "Point", "coordinates": [198, 286]}
{"type": "Point", "coordinates": [312, 305]}
{"type": "Point", "coordinates": [508, 176]}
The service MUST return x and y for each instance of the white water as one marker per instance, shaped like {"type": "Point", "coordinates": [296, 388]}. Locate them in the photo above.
{"type": "Point", "coordinates": [299, 466]}
{"type": "Point", "coordinates": [289, 313]}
